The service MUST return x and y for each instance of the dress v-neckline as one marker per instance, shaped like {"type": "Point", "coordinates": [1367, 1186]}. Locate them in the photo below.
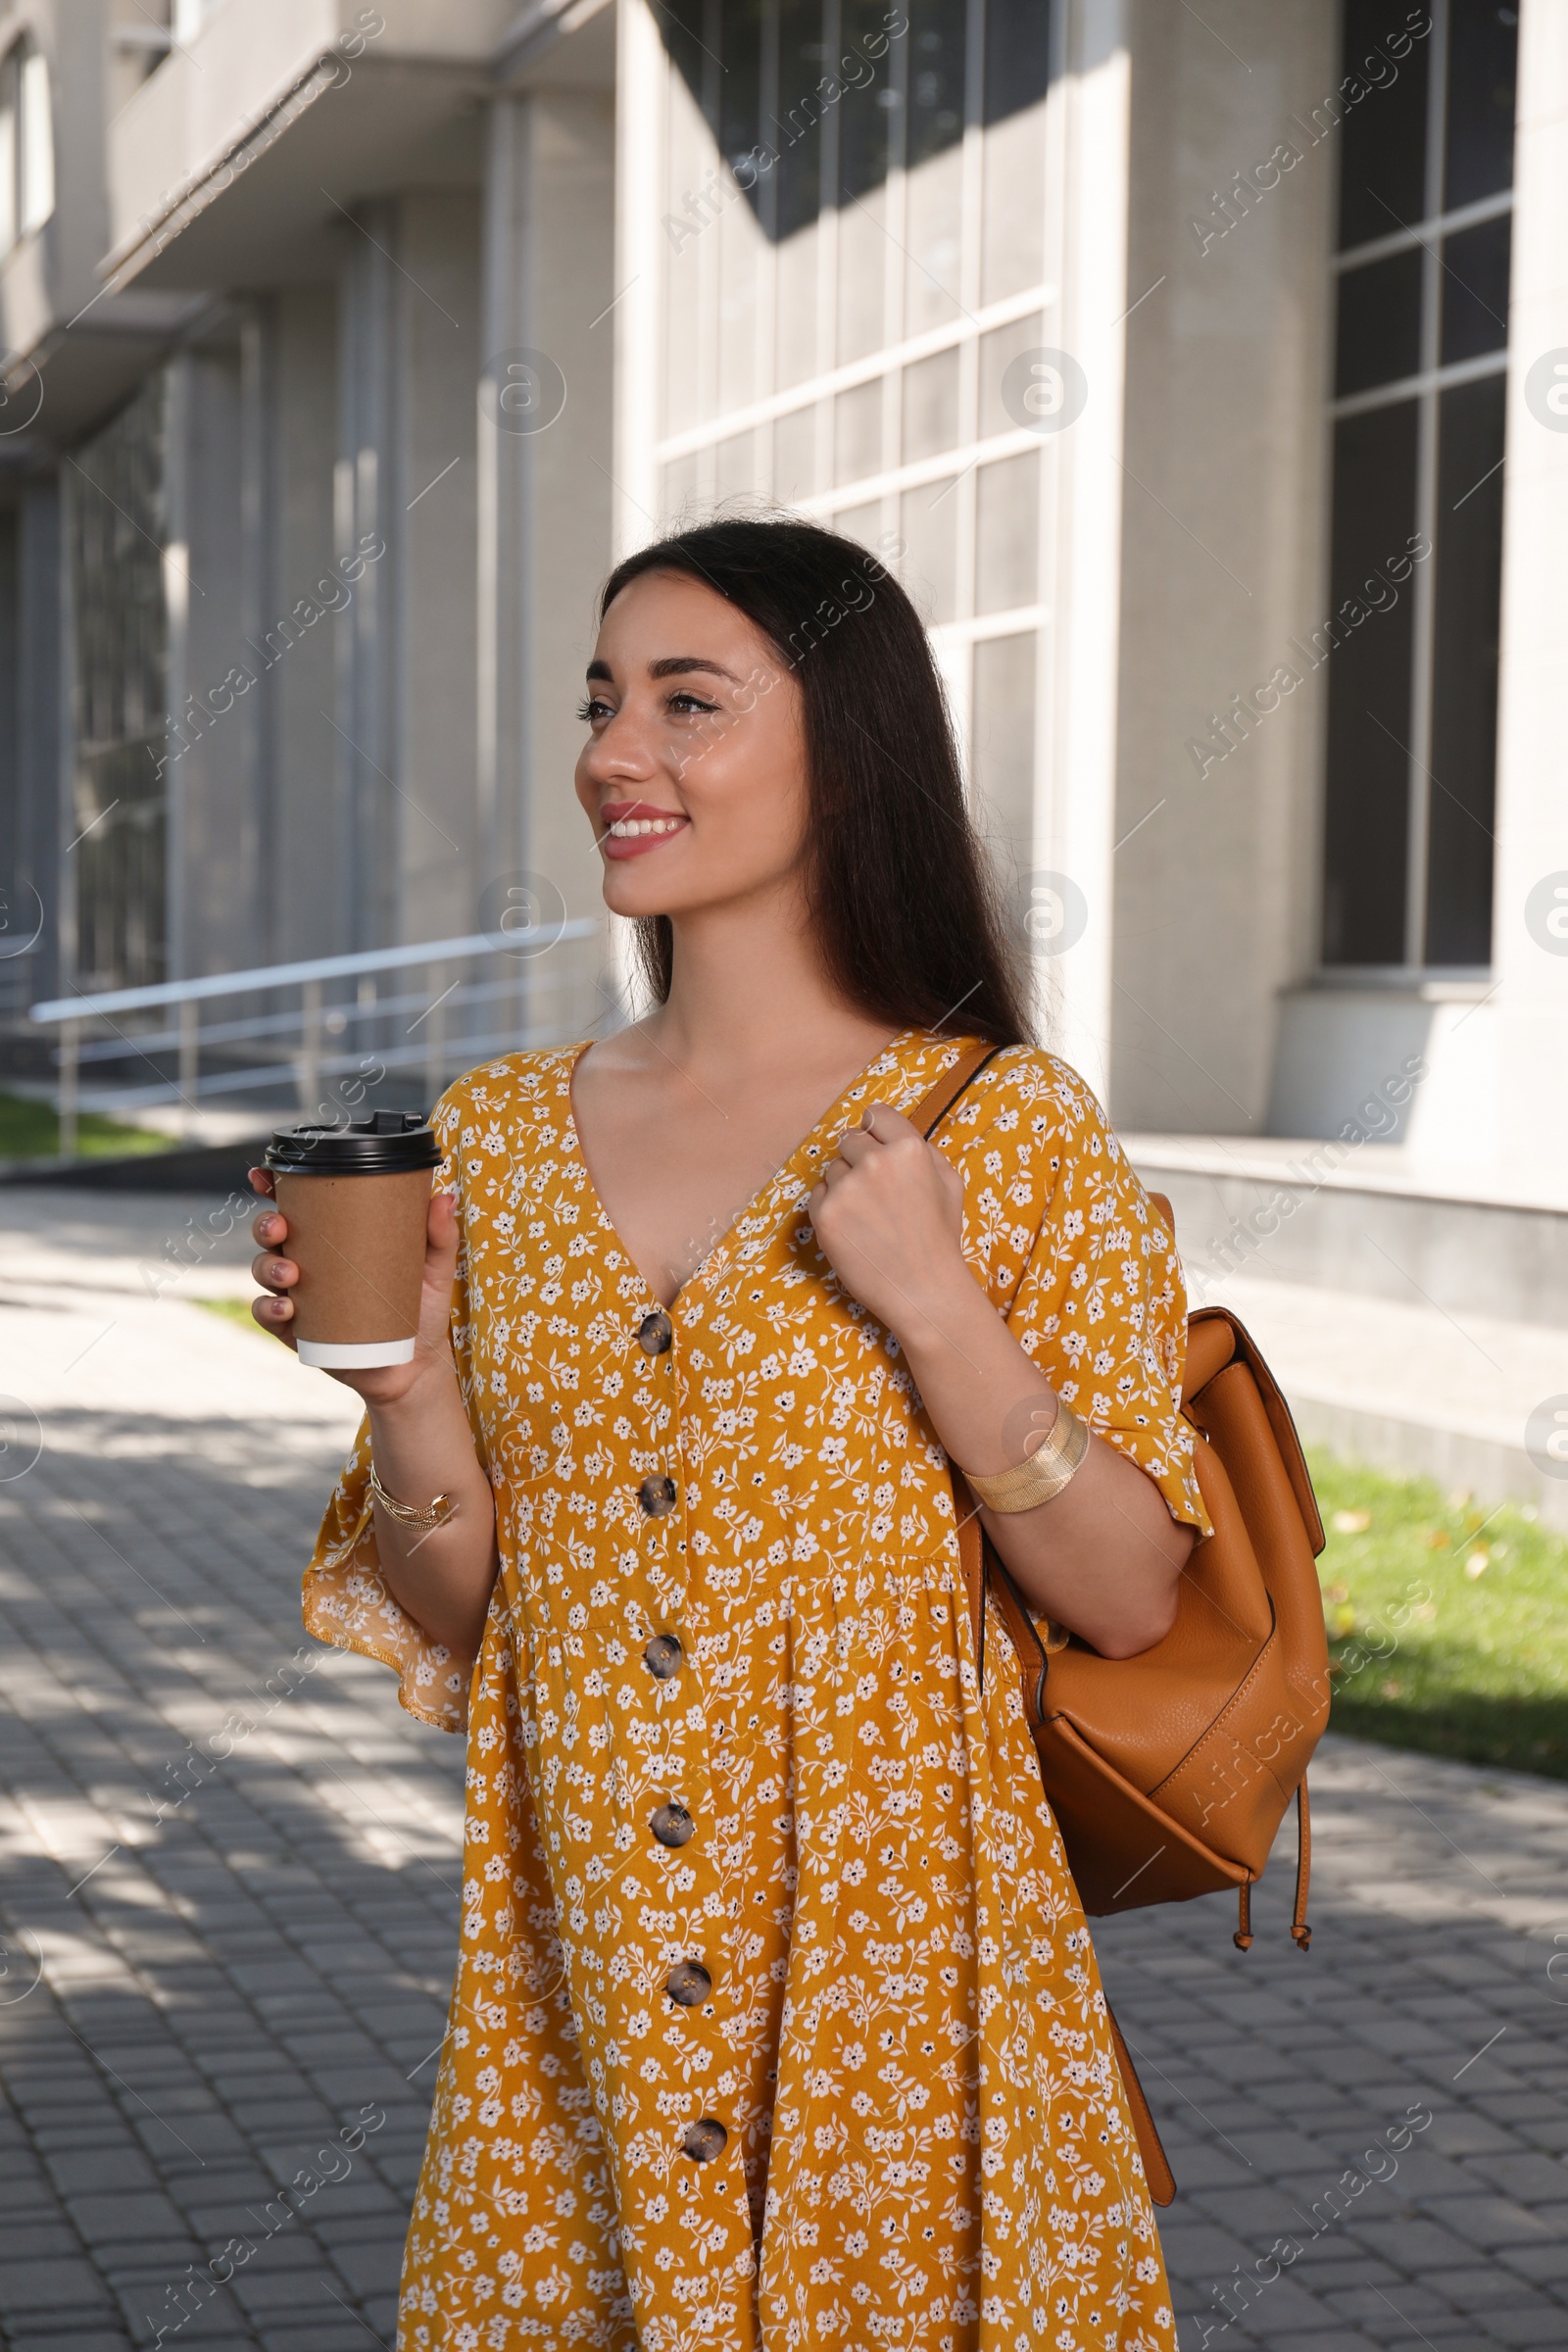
{"type": "Point", "coordinates": [803, 1151]}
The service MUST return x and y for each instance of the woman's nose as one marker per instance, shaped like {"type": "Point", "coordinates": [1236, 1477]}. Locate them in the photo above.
{"type": "Point", "coordinates": [620, 748]}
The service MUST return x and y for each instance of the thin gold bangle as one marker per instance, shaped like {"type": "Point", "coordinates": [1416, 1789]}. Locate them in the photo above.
{"type": "Point", "coordinates": [406, 1514]}
{"type": "Point", "coordinates": [1041, 1476]}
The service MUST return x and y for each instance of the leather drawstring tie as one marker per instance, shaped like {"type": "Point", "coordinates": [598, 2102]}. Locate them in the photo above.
{"type": "Point", "coordinates": [1300, 1932]}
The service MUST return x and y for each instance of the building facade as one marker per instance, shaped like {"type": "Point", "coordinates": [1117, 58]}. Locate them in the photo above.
{"type": "Point", "coordinates": [1206, 379]}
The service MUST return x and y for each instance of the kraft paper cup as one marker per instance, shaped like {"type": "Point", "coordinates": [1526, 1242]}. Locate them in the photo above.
{"type": "Point", "coordinates": [356, 1199]}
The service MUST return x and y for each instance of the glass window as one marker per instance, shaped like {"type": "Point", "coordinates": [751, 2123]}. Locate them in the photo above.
{"type": "Point", "coordinates": [1366, 816]}
{"type": "Point", "coordinates": [1482, 64]}
{"type": "Point", "coordinates": [1475, 289]}
{"type": "Point", "coordinates": [8, 155]}
{"type": "Point", "coordinates": [678, 487]}
{"type": "Point", "coordinates": [1017, 56]}
{"type": "Point", "coordinates": [927, 523]}
{"type": "Point", "coordinates": [1377, 333]}
{"type": "Point", "coordinates": [1465, 685]}
{"type": "Point", "coordinates": [930, 406]}
{"type": "Point", "coordinates": [26, 144]}
{"type": "Point", "coordinates": [1006, 553]}
{"type": "Point", "coordinates": [998, 350]}
{"type": "Point", "coordinates": [863, 523]}
{"type": "Point", "coordinates": [1384, 138]}
{"type": "Point", "coordinates": [116, 531]}
{"type": "Point", "coordinates": [802, 63]}
{"type": "Point", "coordinates": [1407, 857]}
{"type": "Point", "coordinates": [938, 31]}
{"type": "Point", "coordinates": [867, 119]}
{"type": "Point", "coordinates": [735, 471]}
{"type": "Point", "coordinates": [1001, 759]}
{"type": "Point", "coordinates": [37, 179]}
{"type": "Point", "coordinates": [857, 432]}
{"type": "Point", "coordinates": [794, 455]}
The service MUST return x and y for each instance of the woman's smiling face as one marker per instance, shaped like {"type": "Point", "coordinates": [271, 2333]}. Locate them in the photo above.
{"type": "Point", "coordinates": [694, 773]}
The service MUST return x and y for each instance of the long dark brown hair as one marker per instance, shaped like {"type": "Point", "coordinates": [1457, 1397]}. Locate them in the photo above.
{"type": "Point", "coordinates": [899, 890]}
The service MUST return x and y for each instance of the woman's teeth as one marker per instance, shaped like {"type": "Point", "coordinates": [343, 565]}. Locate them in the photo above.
{"type": "Point", "coordinates": [627, 826]}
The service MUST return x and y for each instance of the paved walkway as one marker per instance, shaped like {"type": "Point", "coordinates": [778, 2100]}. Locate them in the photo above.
{"type": "Point", "coordinates": [229, 1870]}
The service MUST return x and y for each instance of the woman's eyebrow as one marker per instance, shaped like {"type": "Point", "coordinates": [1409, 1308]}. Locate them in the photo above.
{"type": "Point", "coordinates": [679, 666]}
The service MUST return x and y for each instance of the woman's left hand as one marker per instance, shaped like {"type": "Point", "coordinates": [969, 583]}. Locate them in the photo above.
{"type": "Point", "coordinates": [889, 1215]}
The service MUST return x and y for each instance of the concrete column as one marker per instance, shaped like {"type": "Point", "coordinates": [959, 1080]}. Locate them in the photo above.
{"type": "Point", "coordinates": [405, 540]}
{"type": "Point", "coordinates": [546, 493]}
{"type": "Point", "coordinates": [1530, 1010]}
{"type": "Point", "coordinates": [1224, 554]}
{"type": "Point", "coordinates": [300, 756]}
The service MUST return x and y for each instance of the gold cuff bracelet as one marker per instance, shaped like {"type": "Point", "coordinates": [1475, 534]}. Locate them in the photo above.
{"type": "Point", "coordinates": [1041, 1476]}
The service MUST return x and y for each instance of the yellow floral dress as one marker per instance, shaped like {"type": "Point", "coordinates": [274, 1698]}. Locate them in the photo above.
{"type": "Point", "coordinates": [776, 2021]}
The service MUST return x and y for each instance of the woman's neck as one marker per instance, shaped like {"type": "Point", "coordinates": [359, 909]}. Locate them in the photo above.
{"type": "Point", "coordinates": [749, 991]}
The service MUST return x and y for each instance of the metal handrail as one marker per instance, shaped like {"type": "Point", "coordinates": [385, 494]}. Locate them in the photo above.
{"type": "Point", "coordinates": [319, 967]}
{"type": "Point", "coordinates": [71, 1013]}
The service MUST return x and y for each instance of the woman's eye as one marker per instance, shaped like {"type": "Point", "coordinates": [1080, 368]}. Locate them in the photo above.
{"type": "Point", "coordinates": [685, 700]}
{"type": "Point", "coordinates": [591, 711]}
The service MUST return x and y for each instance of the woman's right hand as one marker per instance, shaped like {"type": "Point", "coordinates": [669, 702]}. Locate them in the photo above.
{"type": "Point", "coordinates": [384, 1384]}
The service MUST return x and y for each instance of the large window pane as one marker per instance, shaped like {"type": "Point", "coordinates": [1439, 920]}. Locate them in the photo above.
{"type": "Point", "coordinates": [1002, 754]}
{"type": "Point", "coordinates": [799, 135]}
{"type": "Point", "coordinates": [937, 34]}
{"type": "Point", "coordinates": [857, 432]}
{"type": "Point", "coordinates": [998, 351]}
{"type": "Point", "coordinates": [735, 466]}
{"type": "Point", "coordinates": [927, 524]}
{"type": "Point", "coordinates": [681, 23]}
{"type": "Point", "coordinates": [794, 455]}
{"type": "Point", "coordinates": [1366, 800]}
{"type": "Point", "coordinates": [9, 148]}
{"type": "Point", "coordinates": [930, 406]}
{"type": "Point", "coordinates": [1483, 63]}
{"type": "Point", "coordinates": [1006, 553]}
{"type": "Point", "coordinates": [1017, 56]}
{"type": "Point", "coordinates": [1465, 696]}
{"type": "Point", "coordinates": [867, 116]}
{"type": "Point", "coordinates": [1378, 335]}
{"type": "Point", "coordinates": [36, 186]}
{"type": "Point", "coordinates": [1383, 156]}
{"type": "Point", "coordinates": [740, 48]}
{"type": "Point", "coordinates": [115, 507]}
{"type": "Point", "coordinates": [1475, 289]}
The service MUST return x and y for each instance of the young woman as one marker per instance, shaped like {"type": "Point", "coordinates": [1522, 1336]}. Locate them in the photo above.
{"type": "Point", "coordinates": [776, 2021]}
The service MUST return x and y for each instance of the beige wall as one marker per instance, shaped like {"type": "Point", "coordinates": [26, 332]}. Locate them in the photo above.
{"type": "Point", "coordinates": [1529, 1057]}
{"type": "Point", "coordinates": [1223, 557]}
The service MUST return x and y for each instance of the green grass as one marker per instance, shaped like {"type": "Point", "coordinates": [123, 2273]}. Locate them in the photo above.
{"type": "Point", "coordinates": [1448, 1621]}
{"type": "Point", "coordinates": [233, 1310]}
{"type": "Point", "coordinates": [31, 1131]}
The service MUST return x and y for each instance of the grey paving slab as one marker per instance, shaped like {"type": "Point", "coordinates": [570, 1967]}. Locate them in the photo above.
{"type": "Point", "coordinates": [236, 1952]}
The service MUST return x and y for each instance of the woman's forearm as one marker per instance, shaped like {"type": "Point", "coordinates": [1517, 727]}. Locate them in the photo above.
{"type": "Point", "coordinates": [1105, 1555]}
{"type": "Point", "coordinates": [423, 1447]}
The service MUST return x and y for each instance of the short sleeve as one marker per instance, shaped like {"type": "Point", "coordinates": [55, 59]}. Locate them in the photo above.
{"type": "Point", "coordinates": [1098, 1300]}
{"type": "Point", "coordinates": [346, 1599]}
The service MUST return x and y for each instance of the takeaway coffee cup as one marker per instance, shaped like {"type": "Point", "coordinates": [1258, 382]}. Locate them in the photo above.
{"type": "Point", "coordinates": [356, 1198]}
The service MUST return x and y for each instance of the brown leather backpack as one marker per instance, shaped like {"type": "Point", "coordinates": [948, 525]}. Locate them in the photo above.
{"type": "Point", "coordinates": [1168, 1773]}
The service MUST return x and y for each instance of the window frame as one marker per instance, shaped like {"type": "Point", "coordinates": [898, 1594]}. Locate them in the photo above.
{"type": "Point", "coordinates": [27, 100]}
{"type": "Point", "coordinates": [1425, 386]}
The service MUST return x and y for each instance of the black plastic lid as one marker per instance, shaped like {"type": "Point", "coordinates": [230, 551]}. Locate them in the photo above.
{"type": "Point", "coordinates": [389, 1144]}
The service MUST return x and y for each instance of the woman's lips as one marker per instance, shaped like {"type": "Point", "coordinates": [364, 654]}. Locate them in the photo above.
{"type": "Point", "coordinates": [632, 828]}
